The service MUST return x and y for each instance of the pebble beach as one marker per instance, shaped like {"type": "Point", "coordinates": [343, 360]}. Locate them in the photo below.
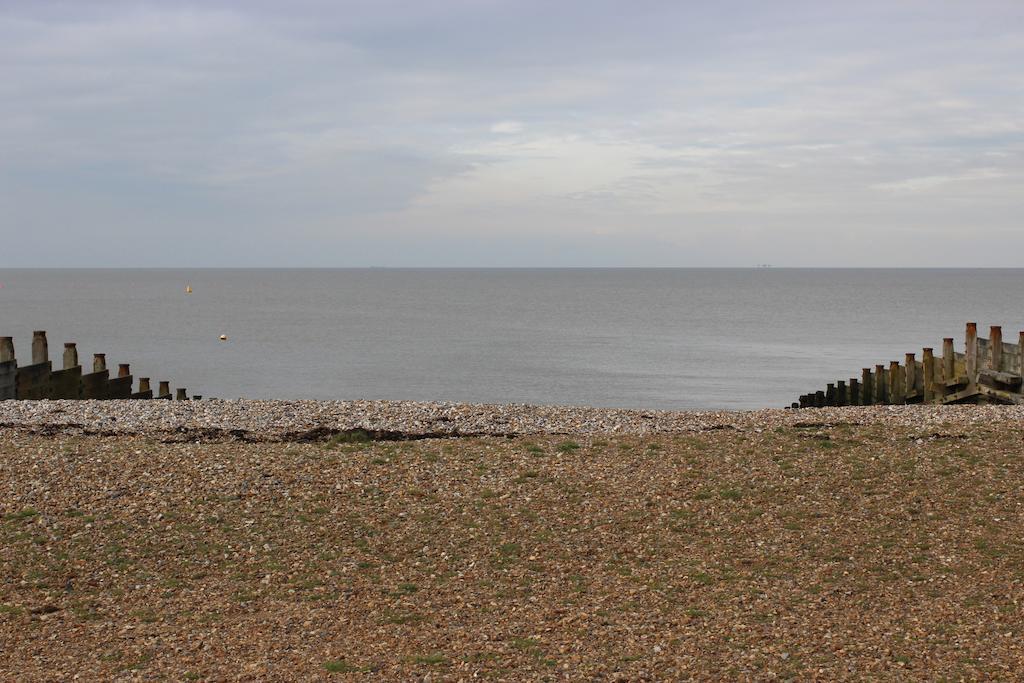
{"type": "Point", "coordinates": [298, 541]}
{"type": "Point", "coordinates": [303, 420]}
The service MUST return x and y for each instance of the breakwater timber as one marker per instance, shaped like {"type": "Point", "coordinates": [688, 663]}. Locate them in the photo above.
{"type": "Point", "coordinates": [987, 371]}
{"type": "Point", "coordinates": [38, 379]}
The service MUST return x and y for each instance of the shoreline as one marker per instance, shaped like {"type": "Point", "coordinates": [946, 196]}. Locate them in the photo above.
{"type": "Point", "coordinates": [280, 421]}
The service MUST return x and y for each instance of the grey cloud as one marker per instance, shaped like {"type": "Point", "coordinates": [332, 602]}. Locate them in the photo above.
{"type": "Point", "coordinates": [463, 132]}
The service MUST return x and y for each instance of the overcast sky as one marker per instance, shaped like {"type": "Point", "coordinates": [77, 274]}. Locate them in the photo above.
{"type": "Point", "coordinates": [512, 133]}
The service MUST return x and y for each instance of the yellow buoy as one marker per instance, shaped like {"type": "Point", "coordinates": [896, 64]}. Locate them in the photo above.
{"type": "Point", "coordinates": [188, 289]}
{"type": "Point", "coordinates": [223, 337]}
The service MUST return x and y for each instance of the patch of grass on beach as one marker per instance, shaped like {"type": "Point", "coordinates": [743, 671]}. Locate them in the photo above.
{"type": "Point", "coordinates": [26, 513]}
{"type": "Point", "coordinates": [731, 494]}
{"type": "Point", "coordinates": [567, 447]}
{"type": "Point", "coordinates": [340, 666]}
{"type": "Point", "coordinates": [352, 436]}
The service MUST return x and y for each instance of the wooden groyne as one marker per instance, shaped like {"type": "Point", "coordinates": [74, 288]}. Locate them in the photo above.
{"type": "Point", "coordinates": [987, 371]}
{"type": "Point", "coordinates": [39, 380]}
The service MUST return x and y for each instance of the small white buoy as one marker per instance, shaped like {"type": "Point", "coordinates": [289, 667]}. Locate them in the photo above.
{"type": "Point", "coordinates": [223, 337]}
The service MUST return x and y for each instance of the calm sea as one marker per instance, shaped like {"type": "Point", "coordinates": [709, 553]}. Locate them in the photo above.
{"type": "Point", "coordinates": [660, 338]}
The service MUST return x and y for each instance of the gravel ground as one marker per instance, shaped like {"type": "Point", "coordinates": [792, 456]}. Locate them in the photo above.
{"type": "Point", "coordinates": [304, 420]}
{"type": "Point", "coordinates": [832, 544]}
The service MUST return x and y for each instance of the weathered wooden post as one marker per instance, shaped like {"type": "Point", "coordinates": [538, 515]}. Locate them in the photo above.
{"type": "Point", "coordinates": [867, 391]}
{"type": "Point", "coordinates": [855, 399]}
{"type": "Point", "coordinates": [164, 391]}
{"type": "Point", "coordinates": [40, 349]}
{"type": "Point", "coordinates": [881, 386]}
{"type": "Point", "coordinates": [842, 399]}
{"type": "Point", "coordinates": [896, 392]}
{"type": "Point", "coordinates": [928, 369]}
{"type": "Point", "coordinates": [910, 386]}
{"type": "Point", "coordinates": [8, 369]}
{"type": "Point", "coordinates": [70, 355]}
{"type": "Point", "coordinates": [948, 360]}
{"type": "Point", "coordinates": [971, 352]}
{"type": "Point", "coordinates": [99, 362]}
{"type": "Point", "coordinates": [181, 395]}
{"type": "Point", "coordinates": [995, 346]}
{"type": "Point", "coordinates": [830, 394]}
{"type": "Point", "coordinates": [819, 399]}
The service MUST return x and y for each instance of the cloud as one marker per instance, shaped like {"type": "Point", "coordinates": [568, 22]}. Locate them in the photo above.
{"type": "Point", "coordinates": [507, 127]}
{"type": "Point", "coordinates": [670, 132]}
{"type": "Point", "coordinates": [934, 183]}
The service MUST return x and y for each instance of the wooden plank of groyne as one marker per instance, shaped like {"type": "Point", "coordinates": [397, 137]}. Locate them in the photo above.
{"type": "Point", "coordinates": [842, 398]}
{"type": "Point", "coordinates": [8, 369]}
{"type": "Point", "coordinates": [144, 390]}
{"type": "Point", "coordinates": [819, 399]}
{"type": "Point", "coordinates": [34, 380]}
{"type": "Point", "coordinates": [1001, 395]}
{"type": "Point", "coordinates": [1020, 353]}
{"type": "Point", "coordinates": [830, 394]}
{"type": "Point", "coordinates": [867, 389]}
{"type": "Point", "coordinates": [880, 385]}
{"type": "Point", "coordinates": [94, 384]}
{"type": "Point", "coordinates": [67, 382]}
{"type": "Point", "coordinates": [8, 379]}
{"type": "Point", "coordinates": [961, 395]}
{"type": "Point", "coordinates": [855, 399]}
{"type": "Point", "coordinates": [997, 377]}
{"type": "Point", "coordinates": [1009, 357]}
{"type": "Point", "coordinates": [120, 386]}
